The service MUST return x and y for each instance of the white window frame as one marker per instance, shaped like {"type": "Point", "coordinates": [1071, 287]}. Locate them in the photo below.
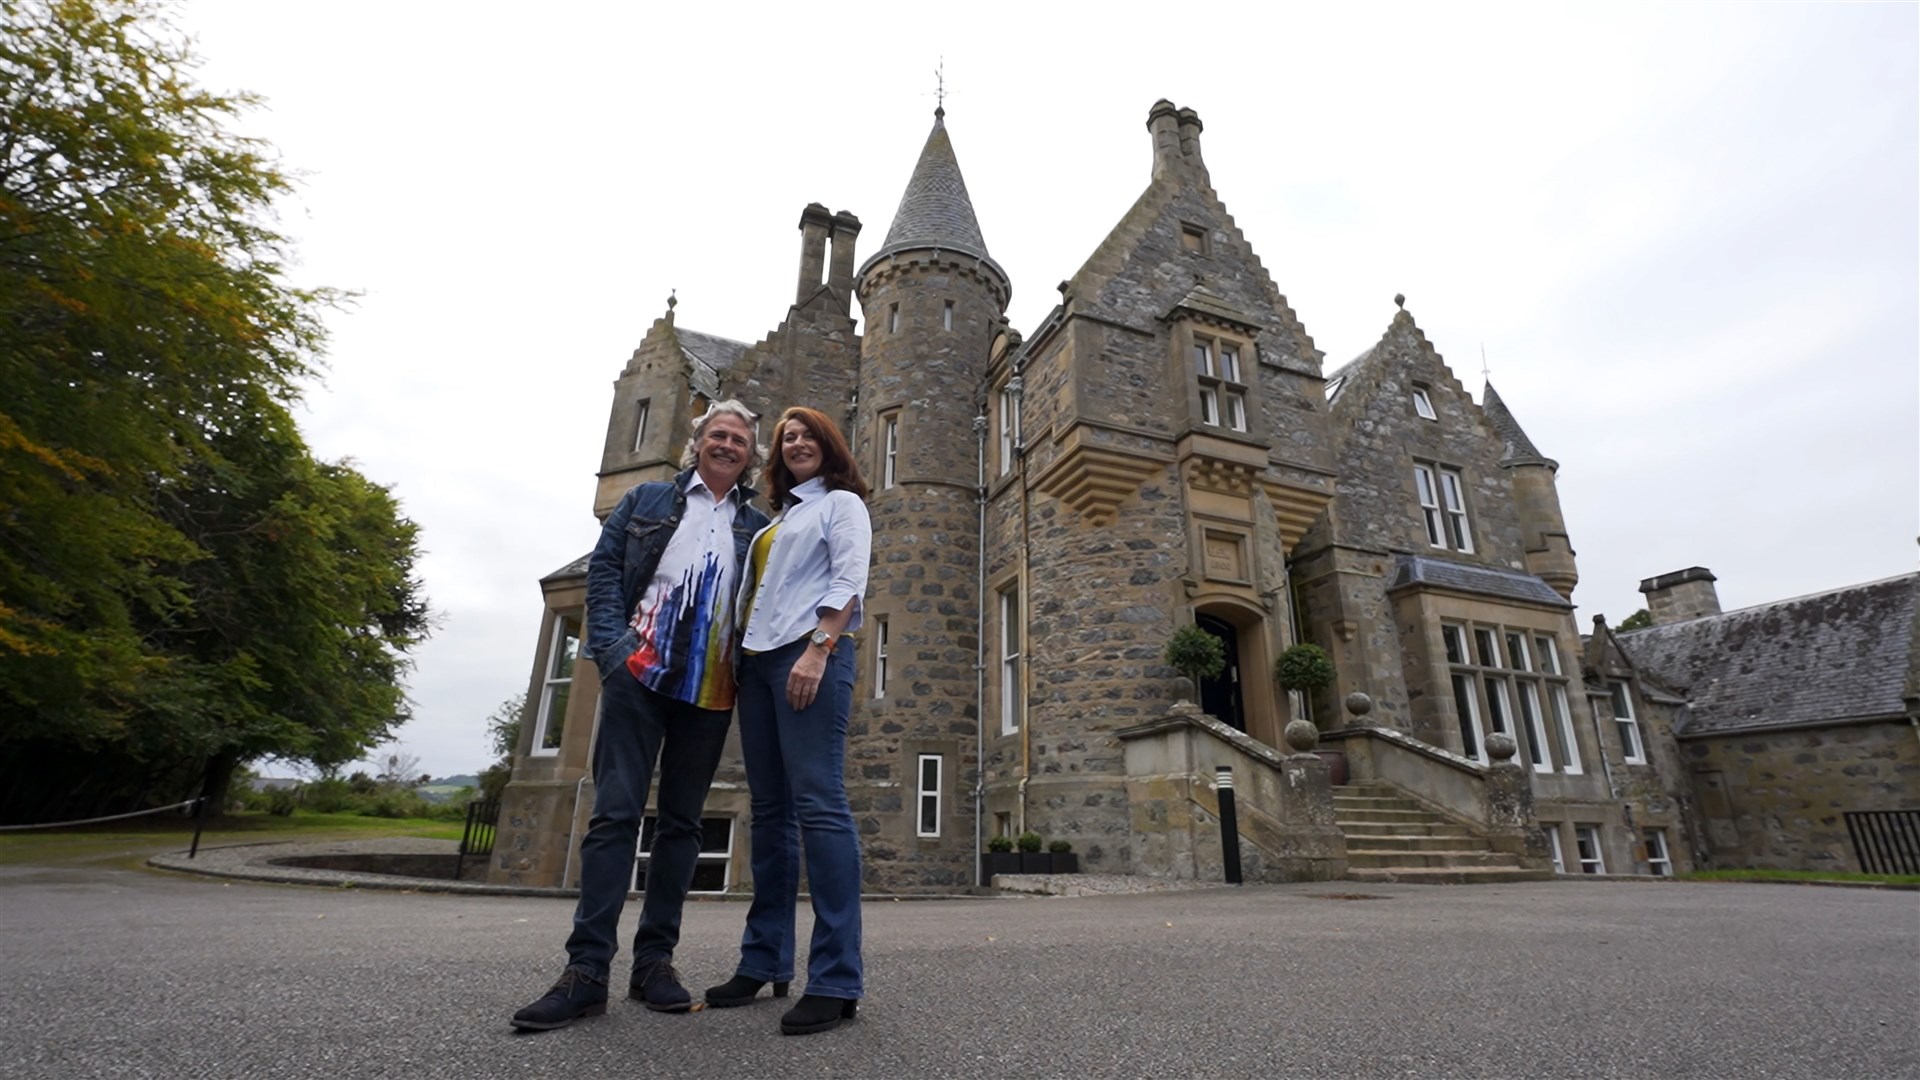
{"type": "Point", "coordinates": [1453, 498]}
{"type": "Point", "coordinates": [1223, 390]}
{"type": "Point", "coordinates": [1586, 842]}
{"type": "Point", "coordinates": [1455, 638]}
{"type": "Point", "coordinates": [946, 316]}
{"type": "Point", "coordinates": [1633, 749]}
{"type": "Point", "coordinates": [1659, 859]}
{"type": "Point", "coordinates": [880, 657]}
{"type": "Point", "coordinates": [938, 761]}
{"type": "Point", "coordinates": [1009, 429]}
{"type": "Point", "coordinates": [1428, 492]}
{"type": "Point", "coordinates": [1423, 403]}
{"type": "Point", "coordinates": [1012, 632]}
{"type": "Point", "coordinates": [1465, 693]}
{"type": "Point", "coordinates": [1539, 751]}
{"type": "Point", "coordinates": [1563, 715]}
{"type": "Point", "coordinates": [722, 859]}
{"type": "Point", "coordinates": [552, 683]}
{"type": "Point", "coordinates": [890, 450]}
{"type": "Point", "coordinates": [640, 426]}
{"type": "Point", "coordinates": [1552, 829]}
{"type": "Point", "coordinates": [893, 318]}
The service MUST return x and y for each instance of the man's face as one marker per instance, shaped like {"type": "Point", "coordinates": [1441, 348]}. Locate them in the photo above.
{"type": "Point", "coordinates": [726, 444]}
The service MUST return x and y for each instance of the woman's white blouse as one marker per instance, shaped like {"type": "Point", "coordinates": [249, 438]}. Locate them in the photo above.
{"type": "Point", "coordinates": [818, 564]}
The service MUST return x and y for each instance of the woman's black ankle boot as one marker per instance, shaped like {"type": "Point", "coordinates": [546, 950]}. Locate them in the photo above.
{"type": "Point", "coordinates": [815, 1013]}
{"type": "Point", "coordinates": [740, 990]}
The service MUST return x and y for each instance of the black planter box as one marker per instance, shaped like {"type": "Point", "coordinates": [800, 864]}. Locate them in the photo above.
{"type": "Point", "coordinates": [1065, 862]}
{"type": "Point", "coordinates": [998, 862]}
{"type": "Point", "coordinates": [1036, 862]}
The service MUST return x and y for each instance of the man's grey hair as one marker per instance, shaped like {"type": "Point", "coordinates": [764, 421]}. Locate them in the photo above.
{"type": "Point", "coordinates": [735, 408]}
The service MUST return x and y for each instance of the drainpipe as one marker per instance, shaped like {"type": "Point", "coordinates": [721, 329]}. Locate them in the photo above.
{"type": "Point", "coordinates": [1016, 387]}
{"type": "Point", "coordinates": [980, 649]}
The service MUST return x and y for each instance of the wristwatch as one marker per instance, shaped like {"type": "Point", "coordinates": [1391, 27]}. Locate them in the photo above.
{"type": "Point", "coordinates": [821, 637]}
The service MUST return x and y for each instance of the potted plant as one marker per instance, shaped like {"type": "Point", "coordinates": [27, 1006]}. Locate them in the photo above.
{"type": "Point", "coordinates": [999, 858]}
{"type": "Point", "coordinates": [1032, 859]}
{"type": "Point", "coordinates": [1063, 858]}
{"type": "Point", "coordinates": [1308, 669]}
{"type": "Point", "coordinates": [1195, 654]}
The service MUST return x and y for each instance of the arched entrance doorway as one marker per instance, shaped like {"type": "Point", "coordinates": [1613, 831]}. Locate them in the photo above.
{"type": "Point", "coordinates": [1220, 696]}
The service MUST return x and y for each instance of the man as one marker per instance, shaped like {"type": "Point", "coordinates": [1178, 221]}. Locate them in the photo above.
{"type": "Point", "coordinates": [660, 591]}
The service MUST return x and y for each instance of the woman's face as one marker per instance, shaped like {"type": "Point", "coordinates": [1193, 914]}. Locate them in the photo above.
{"type": "Point", "coordinates": [800, 450]}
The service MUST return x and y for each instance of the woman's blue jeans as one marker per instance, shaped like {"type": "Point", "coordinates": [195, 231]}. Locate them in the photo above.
{"type": "Point", "coordinates": [796, 768]}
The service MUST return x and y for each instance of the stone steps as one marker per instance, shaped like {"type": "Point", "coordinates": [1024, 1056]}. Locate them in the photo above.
{"type": "Point", "coordinates": [1392, 838]}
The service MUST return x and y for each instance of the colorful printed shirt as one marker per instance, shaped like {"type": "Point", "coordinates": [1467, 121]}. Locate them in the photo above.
{"type": "Point", "coordinates": [685, 616]}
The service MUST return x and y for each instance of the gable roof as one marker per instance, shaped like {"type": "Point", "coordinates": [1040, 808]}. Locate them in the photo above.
{"type": "Point", "coordinates": [1833, 656]}
{"type": "Point", "coordinates": [708, 357]}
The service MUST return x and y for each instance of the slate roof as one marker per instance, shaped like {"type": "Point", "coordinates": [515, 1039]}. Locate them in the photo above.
{"type": "Point", "coordinates": [1465, 577]}
{"type": "Point", "coordinates": [1339, 378]}
{"type": "Point", "coordinates": [1838, 655]}
{"type": "Point", "coordinates": [574, 569]}
{"type": "Point", "coordinates": [708, 355]}
{"type": "Point", "coordinates": [935, 211]}
{"type": "Point", "coordinates": [1519, 449]}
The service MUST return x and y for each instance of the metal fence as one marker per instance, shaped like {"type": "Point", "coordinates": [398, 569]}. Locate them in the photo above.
{"type": "Point", "coordinates": [1886, 841]}
{"type": "Point", "coordinates": [483, 815]}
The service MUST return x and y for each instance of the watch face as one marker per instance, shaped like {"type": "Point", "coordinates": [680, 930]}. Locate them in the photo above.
{"type": "Point", "coordinates": [821, 637]}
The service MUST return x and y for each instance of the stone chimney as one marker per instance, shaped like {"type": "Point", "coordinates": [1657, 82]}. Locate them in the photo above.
{"type": "Point", "coordinates": [1190, 136]}
{"type": "Point", "coordinates": [1681, 595]}
{"type": "Point", "coordinates": [846, 228]}
{"type": "Point", "coordinates": [1163, 121]}
{"type": "Point", "coordinates": [815, 223]}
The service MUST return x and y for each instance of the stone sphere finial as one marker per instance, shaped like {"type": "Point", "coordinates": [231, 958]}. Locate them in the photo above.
{"type": "Point", "coordinates": [1501, 747]}
{"type": "Point", "coordinates": [1302, 736]}
{"type": "Point", "coordinates": [1400, 301]}
{"type": "Point", "coordinates": [1359, 704]}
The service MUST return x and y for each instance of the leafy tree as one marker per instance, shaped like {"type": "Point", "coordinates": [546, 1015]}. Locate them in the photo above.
{"type": "Point", "coordinates": [183, 587]}
{"type": "Point", "coordinates": [503, 732]}
{"type": "Point", "coordinates": [1639, 620]}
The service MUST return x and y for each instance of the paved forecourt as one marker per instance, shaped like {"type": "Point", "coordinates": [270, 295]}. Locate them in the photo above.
{"type": "Point", "coordinates": [115, 973]}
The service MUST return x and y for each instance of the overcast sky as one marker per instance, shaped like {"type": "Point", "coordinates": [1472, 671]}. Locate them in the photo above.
{"type": "Point", "coordinates": [1685, 237]}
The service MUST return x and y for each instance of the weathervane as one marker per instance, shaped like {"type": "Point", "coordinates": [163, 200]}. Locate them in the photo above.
{"type": "Point", "coordinates": [1486, 373]}
{"type": "Point", "coordinates": [940, 87]}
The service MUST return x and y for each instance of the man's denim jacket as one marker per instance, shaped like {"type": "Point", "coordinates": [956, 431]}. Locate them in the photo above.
{"type": "Point", "coordinates": [631, 541]}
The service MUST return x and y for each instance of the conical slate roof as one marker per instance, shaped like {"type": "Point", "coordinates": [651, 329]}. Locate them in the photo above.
{"type": "Point", "coordinates": [935, 211]}
{"type": "Point", "coordinates": [1519, 449]}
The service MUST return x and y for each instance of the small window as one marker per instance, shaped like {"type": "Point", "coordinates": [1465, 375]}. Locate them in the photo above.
{"type": "Point", "coordinates": [1003, 824]}
{"type": "Point", "coordinates": [1549, 656]}
{"type": "Point", "coordinates": [880, 657]}
{"type": "Point", "coordinates": [1230, 363]}
{"type": "Point", "coordinates": [1443, 507]}
{"type": "Point", "coordinates": [930, 768]}
{"type": "Point", "coordinates": [640, 424]}
{"type": "Point", "coordinates": [1586, 841]}
{"type": "Point", "coordinates": [893, 318]}
{"type": "Point", "coordinates": [1631, 747]}
{"type": "Point", "coordinates": [1658, 860]}
{"type": "Point", "coordinates": [1486, 648]}
{"type": "Point", "coordinates": [1466, 703]}
{"type": "Point", "coordinates": [1009, 429]}
{"type": "Point", "coordinates": [1223, 393]}
{"type": "Point", "coordinates": [712, 868]}
{"type": "Point", "coordinates": [557, 687]}
{"type": "Point", "coordinates": [1553, 845]}
{"type": "Point", "coordinates": [1563, 719]}
{"type": "Point", "coordinates": [889, 449]}
{"type": "Point", "coordinates": [1193, 238]}
{"type": "Point", "coordinates": [1456, 639]}
{"type": "Point", "coordinates": [1010, 636]}
{"type": "Point", "coordinates": [1423, 404]}
{"type": "Point", "coordinates": [946, 316]}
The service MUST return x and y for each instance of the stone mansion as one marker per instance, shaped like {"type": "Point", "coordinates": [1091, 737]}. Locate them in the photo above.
{"type": "Point", "coordinates": [1168, 447]}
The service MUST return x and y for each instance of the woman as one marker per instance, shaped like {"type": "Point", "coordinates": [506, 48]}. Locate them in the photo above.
{"type": "Point", "coordinates": [799, 596]}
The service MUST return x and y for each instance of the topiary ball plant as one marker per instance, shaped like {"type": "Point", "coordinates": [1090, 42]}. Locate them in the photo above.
{"type": "Point", "coordinates": [1000, 843]}
{"type": "Point", "coordinates": [1303, 667]}
{"type": "Point", "coordinates": [1028, 842]}
{"type": "Point", "coordinates": [1059, 847]}
{"type": "Point", "coordinates": [1196, 654]}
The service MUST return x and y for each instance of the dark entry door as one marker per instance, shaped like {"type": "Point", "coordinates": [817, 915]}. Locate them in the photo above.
{"type": "Point", "coordinates": [1220, 696]}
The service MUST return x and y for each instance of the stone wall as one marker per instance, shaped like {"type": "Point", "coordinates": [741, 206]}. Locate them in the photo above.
{"type": "Point", "coordinates": [1776, 800]}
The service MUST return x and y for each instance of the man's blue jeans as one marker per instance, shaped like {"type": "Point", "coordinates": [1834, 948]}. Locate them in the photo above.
{"type": "Point", "coordinates": [638, 726]}
{"type": "Point", "coordinates": [796, 768]}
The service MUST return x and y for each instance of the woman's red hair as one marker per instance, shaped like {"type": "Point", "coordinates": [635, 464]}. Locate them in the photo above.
{"type": "Point", "coordinates": [837, 466]}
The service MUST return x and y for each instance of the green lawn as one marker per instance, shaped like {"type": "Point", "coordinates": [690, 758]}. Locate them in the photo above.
{"type": "Point", "coordinates": [1801, 875]}
{"type": "Point", "coordinates": [131, 842]}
